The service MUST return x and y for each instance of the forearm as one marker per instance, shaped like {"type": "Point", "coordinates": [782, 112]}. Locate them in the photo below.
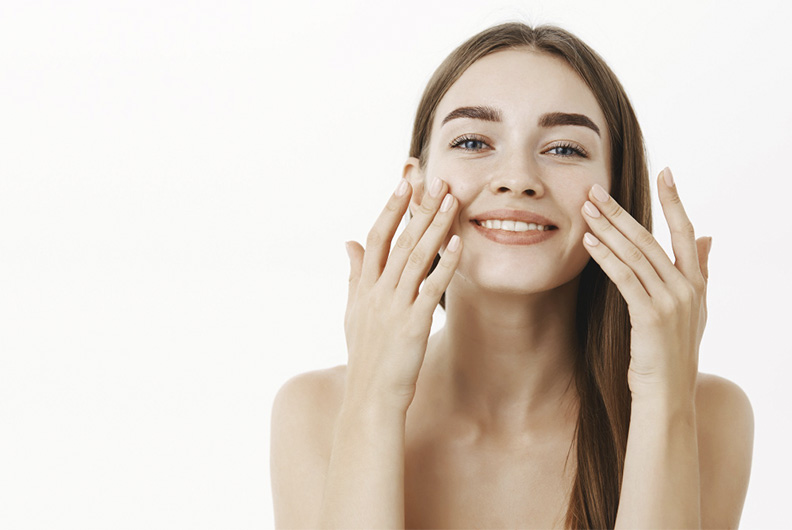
{"type": "Point", "coordinates": [661, 484]}
{"type": "Point", "coordinates": [364, 487]}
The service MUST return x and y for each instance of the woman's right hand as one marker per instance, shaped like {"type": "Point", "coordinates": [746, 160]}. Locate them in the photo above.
{"type": "Point", "coordinates": [388, 321]}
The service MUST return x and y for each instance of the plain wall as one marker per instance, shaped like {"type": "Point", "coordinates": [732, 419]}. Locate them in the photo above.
{"type": "Point", "coordinates": [177, 180]}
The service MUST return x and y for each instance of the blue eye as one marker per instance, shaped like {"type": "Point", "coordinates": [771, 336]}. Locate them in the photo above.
{"type": "Point", "coordinates": [564, 151]}
{"type": "Point", "coordinates": [567, 150]}
{"type": "Point", "coordinates": [468, 143]}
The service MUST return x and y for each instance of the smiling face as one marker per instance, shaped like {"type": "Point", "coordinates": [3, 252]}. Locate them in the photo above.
{"type": "Point", "coordinates": [519, 131]}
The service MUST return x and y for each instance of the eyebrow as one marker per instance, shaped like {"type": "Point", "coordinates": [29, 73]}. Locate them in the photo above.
{"type": "Point", "coordinates": [476, 113]}
{"type": "Point", "coordinates": [552, 119]}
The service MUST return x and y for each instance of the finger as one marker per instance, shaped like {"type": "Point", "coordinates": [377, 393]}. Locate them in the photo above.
{"type": "Point", "coordinates": [636, 233]}
{"type": "Point", "coordinates": [683, 235]}
{"type": "Point", "coordinates": [407, 241]}
{"type": "Point", "coordinates": [380, 236]}
{"type": "Point", "coordinates": [704, 245]}
{"type": "Point", "coordinates": [422, 256]}
{"type": "Point", "coordinates": [617, 229]}
{"type": "Point", "coordinates": [437, 282]}
{"type": "Point", "coordinates": [621, 275]}
{"type": "Point", "coordinates": [355, 252]}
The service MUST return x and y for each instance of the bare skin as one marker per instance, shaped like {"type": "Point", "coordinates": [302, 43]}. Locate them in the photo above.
{"type": "Point", "coordinates": [457, 479]}
{"type": "Point", "coordinates": [484, 474]}
{"type": "Point", "coordinates": [474, 427]}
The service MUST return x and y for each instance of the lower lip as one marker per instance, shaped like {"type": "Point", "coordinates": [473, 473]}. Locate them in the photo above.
{"type": "Point", "coordinates": [505, 237]}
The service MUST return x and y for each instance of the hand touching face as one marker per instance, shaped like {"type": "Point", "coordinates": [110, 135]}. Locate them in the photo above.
{"type": "Point", "coordinates": [520, 140]}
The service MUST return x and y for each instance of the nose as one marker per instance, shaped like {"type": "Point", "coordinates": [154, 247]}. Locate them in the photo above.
{"type": "Point", "coordinates": [518, 176]}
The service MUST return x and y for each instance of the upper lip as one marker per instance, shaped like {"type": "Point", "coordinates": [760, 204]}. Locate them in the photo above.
{"type": "Point", "coordinates": [514, 215]}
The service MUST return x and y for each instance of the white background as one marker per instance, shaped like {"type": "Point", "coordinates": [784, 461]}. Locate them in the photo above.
{"type": "Point", "coordinates": [177, 180]}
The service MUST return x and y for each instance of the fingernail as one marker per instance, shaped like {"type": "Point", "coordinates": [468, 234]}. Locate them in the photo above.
{"type": "Point", "coordinates": [709, 246]}
{"type": "Point", "coordinates": [599, 193]}
{"type": "Point", "coordinates": [446, 203]}
{"type": "Point", "coordinates": [668, 177]}
{"type": "Point", "coordinates": [434, 191]}
{"type": "Point", "coordinates": [591, 209]}
{"type": "Point", "coordinates": [454, 243]}
{"type": "Point", "coordinates": [401, 189]}
{"type": "Point", "coordinates": [590, 239]}
{"type": "Point", "coordinates": [347, 249]}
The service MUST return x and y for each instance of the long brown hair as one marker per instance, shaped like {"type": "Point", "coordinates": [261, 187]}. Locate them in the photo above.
{"type": "Point", "coordinates": [603, 322]}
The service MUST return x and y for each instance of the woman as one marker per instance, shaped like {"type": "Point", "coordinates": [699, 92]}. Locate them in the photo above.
{"type": "Point", "coordinates": [563, 390]}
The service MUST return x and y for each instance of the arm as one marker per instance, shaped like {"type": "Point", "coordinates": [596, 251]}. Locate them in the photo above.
{"type": "Point", "coordinates": [365, 478]}
{"type": "Point", "coordinates": [725, 433]}
{"type": "Point", "coordinates": [665, 484]}
{"type": "Point", "coordinates": [696, 460]}
{"type": "Point", "coordinates": [661, 484]}
{"type": "Point", "coordinates": [334, 462]}
{"type": "Point", "coordinates": [387, 326]}
{"type": "Point", "coordinates": [303, 415]}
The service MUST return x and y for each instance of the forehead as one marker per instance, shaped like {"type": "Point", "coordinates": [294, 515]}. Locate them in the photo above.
{"type": "Point", "coordinates": [523, 84]}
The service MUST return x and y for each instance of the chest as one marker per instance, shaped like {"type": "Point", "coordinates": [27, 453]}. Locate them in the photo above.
{"type": "Point", "coordinates": [456, 484]}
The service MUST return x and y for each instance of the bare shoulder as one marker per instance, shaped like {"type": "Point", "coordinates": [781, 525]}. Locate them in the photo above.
{"type": "Point", "coordinates": [303, 419]}
{"type": "Point", "coordinates": [309, 402]}
{"type": "Point", "coordinates": [722, 404]}
{"type": "Point", "coordinates": [725, 429]}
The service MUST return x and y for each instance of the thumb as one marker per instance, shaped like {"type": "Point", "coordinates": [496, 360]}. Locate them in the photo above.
{"type": "Point", "coordinates": [704, 244]}
{"type": "Point", "coordinates": [355, 252]}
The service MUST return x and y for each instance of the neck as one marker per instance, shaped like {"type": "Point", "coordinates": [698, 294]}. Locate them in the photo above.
{"type": "Point", "coordinates": [507, 361]}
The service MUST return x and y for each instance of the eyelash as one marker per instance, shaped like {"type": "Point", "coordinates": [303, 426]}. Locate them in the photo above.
{"type": "Point", "coordinates": [579, 151]}
{"type": "Point", "coordinates": [458, 143]}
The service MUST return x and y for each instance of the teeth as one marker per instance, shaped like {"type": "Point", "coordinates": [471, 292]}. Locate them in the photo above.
{"type": "Point", "coordinates": [512, 226]}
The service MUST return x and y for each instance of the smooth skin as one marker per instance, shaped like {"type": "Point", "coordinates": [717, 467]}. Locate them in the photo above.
{"type": "Point", "coordinates": [473, 426]}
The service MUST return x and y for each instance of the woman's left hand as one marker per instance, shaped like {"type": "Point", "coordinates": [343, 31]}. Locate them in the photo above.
{"type": "Point", "coordinates": [667, 301]}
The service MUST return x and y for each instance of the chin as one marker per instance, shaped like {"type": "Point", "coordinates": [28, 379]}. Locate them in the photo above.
{"type": "Point", "coordinates": [518, 279]}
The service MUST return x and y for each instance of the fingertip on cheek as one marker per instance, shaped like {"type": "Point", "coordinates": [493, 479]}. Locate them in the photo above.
{"type": "Point", "coordinates": [590, 239]}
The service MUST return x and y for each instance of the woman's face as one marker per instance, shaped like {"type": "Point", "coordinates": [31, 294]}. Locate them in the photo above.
{"type": "Point", "coordinates": [518, 131]}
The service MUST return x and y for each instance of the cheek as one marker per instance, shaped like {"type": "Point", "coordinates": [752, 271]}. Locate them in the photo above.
{"type": "Point", "coordinates": [463, 184]}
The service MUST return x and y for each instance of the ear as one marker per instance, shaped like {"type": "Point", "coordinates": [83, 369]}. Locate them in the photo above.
{"type": "Point", "coordinates": [415, 176]}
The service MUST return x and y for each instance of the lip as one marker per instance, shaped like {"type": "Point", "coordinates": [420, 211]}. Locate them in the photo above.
{"type": "Point", "coordinates": [514, 215]}
{"type": "Point", "coordinates": [531, 237]}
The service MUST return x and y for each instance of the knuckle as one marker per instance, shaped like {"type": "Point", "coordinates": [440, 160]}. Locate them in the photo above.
{"type": "Point", "coordinates": [606, 227]}
{"type": "Point", "coordinates": [699, 284]}
{"type": "Point", "coordinates": [439, 223]}
{"type": "Point", "coordinates": [674, 198]}
{"type": "Point", "coordinates": [665, 306]}
{"type": "Point", "coordinates": [687, 229]}
{"type": "Point", "coordinates": [374, 238]}
{"type": "Point", "coordinates": [432, 289]}
{"type": "Point", "coordinates": [393, 205]}
{"type": "Point", "coordinates": [623, 275]}
{"type": "Point", "coordinates": [405, 241]}
{"type": "Point", "coordinates": [447, 264]}
{"type": "Point", "coordinates": [417, 258]}
{"type": "Point", "coordinates": [426, 208]}
{"type": "Point", "coordinates": [614, 210]}
{"type": "Point", "coordinates": [634, 255]}
{"type": "Point", "coordinates": [644, 239]}
{"type": "Point", "coordinates": [686, 294]}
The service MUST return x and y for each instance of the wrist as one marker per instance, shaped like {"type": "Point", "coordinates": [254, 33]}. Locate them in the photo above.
{"type": "Point", "coordinates": [373, 405]}
{"type": "Point", "coordinates": [664, 405]}
{"type": "Point", "coordinates": [366, 395]}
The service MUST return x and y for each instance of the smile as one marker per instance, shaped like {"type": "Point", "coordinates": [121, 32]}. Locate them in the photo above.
{"type": "Point", "coordinates": [530, 235]}
{"type": "Point", "coordinates": [512, 226]}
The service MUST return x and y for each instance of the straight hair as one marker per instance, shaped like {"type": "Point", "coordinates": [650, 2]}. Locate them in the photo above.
{"type": "Point", "coordinates": [602, 318]}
